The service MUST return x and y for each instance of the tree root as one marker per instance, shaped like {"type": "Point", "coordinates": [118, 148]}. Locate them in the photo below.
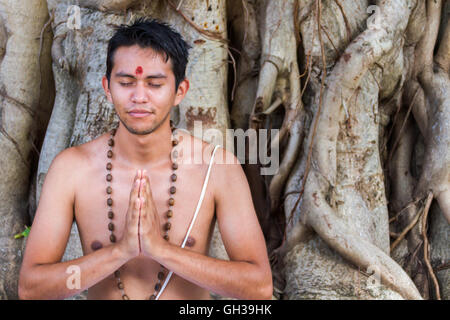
{"type": "Point", "coordinates": [435, 82]}
{"type": "Point", "coordinates": [409, 205]}
{"type": "Point", "coordinates": [402, 235]}
{"type": "Point", "coordinates": [293, 123]}
{"type": "Point", "coordinates": [343, 81]}
{"type": "Point", "coordinates": [290, 155]}
{"type": "Point", "coordinates": [16, 146]}
{"type": "Point", "coordinates": [426, 253]}
{"type": "Point", "coordinates": [340, 237]}
{"type": "Point", "coordinates": [243, 22]}
{"type": "Point", "coordinates": [279, 62]}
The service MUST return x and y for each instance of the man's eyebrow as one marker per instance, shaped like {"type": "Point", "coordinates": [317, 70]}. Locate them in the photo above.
{"type": "Point", "coordinates": [152, 76]}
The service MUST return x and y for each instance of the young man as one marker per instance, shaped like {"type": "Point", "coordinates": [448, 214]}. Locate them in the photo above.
{"type": "Point", "coordinates": [132, 224]}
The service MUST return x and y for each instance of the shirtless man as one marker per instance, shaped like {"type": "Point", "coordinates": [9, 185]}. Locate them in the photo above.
{"type": "Point", "coordinates": [145, 78]}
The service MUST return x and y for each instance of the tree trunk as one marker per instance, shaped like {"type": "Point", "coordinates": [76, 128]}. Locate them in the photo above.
{"type": "Point", "coordinates": [359, 91]}
{"type": "Point", "coordinates": [26, 93]}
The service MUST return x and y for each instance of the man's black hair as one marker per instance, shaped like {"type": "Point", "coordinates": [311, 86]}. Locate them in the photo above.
{"type": "Point", "coordinates": [154, 34]}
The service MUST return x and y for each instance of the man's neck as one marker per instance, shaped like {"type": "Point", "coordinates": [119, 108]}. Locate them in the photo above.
{"type": "Point", "coordinates": [143, 150]}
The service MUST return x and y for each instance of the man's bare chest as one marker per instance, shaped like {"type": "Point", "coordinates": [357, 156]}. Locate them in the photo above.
{"type": "Point", "coordinates": [92, 210]}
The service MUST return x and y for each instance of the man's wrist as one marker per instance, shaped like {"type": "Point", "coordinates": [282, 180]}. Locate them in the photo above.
{"type": "Point", "coordinates": [158, 251]}
{"type": "Point", "coordinates": [119, 253]}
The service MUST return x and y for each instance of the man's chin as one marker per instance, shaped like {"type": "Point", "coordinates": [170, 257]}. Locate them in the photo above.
{"type": "Point", "coordinates": [139, 131]}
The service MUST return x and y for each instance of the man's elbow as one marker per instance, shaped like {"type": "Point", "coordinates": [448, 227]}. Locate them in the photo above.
{"type": "Point", "coordinates": [266, 291]}
{"type": "Point", "coordinates": [22, 291]}
{"type": "Point", "coordinates": [264, 284]}
{"type": "Point", "coordinates": [265, 288]}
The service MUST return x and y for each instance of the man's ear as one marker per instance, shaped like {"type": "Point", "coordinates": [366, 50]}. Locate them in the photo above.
{"type": "Point", "coordinates": [105, 84]}
{"type": "Point", "coordinates": [183, 88]}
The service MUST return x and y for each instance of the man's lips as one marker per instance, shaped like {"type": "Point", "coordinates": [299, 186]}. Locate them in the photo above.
{"type": "Point", "coordinates": [139, 113]}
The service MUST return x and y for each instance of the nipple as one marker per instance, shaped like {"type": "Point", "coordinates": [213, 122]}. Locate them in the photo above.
{"type": "Point", "coordinates": [190, 241]}
{"type": "Point", "coordinates": [95, 245]}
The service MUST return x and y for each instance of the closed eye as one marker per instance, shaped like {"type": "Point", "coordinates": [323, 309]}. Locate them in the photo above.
{"type": "Point", "coordinates": [126, 84]}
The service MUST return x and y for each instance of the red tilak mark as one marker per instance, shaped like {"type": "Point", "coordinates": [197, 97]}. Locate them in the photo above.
{"type": "Point", "coordinates": [139, 70]}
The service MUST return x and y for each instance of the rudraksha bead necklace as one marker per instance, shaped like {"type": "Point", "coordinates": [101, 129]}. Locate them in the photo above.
{"type": "Point", "coordinates": [172, 190]}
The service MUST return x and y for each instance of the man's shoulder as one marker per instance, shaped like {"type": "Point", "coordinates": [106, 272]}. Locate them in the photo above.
{"type": "Point", "coordinates": [192, 148]}
{"type": "Point", "coordinates": [222, 155]}
{"type": "Point", "coordinates": [77, 157]}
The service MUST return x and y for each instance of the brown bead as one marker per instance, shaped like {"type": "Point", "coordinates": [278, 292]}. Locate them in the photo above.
{"type": "Point", "coordinates": [112, 238]}
{"type": "Point", "coordinates": [125, 297]}
{"type": "Point", "coordinates": [160, 275]}
{"type": "Point", "coordinates": [167, 226]}
{"type": "Point", "coordinates": [111, 142]}
{"type": "Point", "coordinates": [152, 297]}
{"type": "Point", "coordinates": [111, 226]}
{"type": "Point", "coordinates": [109, 202]}
{"type": "Point", "coordinates": [113, 131]}
{"type": "Point", "coordinates": [174, 142]}
{"type": "Point", "coordinates": [173, 177]}
{"type": "Point", "coordinates": [166, 237]}
{"type": "Point", "coordinates": [109, 154]}
{"type": "Point", "coordinates": [109, 177]}
{"type": "Point", "coordinates": [109, 166]}
{"type": "Point", "coordinates": [169, 214]}
{"type": "Point", "coordinates": [158, 286]}
{"type": "Point", "coordinates": [108, 190]}
{"type": "Point", "coordinates": [117, 273]}
{"type": "Point", "coordinates": [171, 201]}
{"type": "Point", "coordinates": [120, 285]}
{"type": "Point", "coordinates": [174, 166]}
{"type": "Point", "coordinates": [173, 190]}
{"type": "Point", "coordinates": [110, 214]}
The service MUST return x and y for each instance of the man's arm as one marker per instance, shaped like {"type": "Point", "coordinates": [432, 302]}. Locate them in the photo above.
{"type": "Point", "coordinates": [247, 275]}
{"type": "Point", "coordinates": [42, 275]}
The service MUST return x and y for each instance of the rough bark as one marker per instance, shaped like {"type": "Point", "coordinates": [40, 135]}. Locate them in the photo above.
{"type": "Point", "coordinates": [26, 96]}
{"type": "Point", "coordinates": [358, 89]}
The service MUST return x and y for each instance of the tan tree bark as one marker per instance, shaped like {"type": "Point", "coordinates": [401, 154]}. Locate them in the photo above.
{"type": "Point", "coordinates": [26, 95]}
{"type": "Point", "coordinates": [358, 89]}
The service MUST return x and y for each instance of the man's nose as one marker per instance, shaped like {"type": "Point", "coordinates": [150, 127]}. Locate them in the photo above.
{"type": "Point", "coordinates": [139, 94]}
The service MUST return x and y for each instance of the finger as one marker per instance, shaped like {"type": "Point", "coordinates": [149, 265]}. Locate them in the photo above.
{"type": "Point", "coordinates": [147, 196]}
{"type": "Point", "coordinates": [143, 218]}
{"type": "Point", "coordinates": [142, 204]}
{"type": "Point", "coordinates": [150, 203]}
{"type": "Point", "coordinates": [144, 196]}
{"type": "Point", "coordinates": [140, 181]}
{"type": "Point", "coordinates": [134, 204]}
{"type": "Point", "coordinates": [134, 188]}
{"type": "Point", "coordinates": [147, 188]}
{"type": "Point", "coordinates": [143, 208]}
{"type": "Point", "coordinates": [134, 217]}
{"type": "Point", "coordinates": [142, 188]}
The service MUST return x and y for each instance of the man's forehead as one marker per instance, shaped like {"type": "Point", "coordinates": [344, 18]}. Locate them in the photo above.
{"type": "Point", "coordinates": [144, 53]}
{"type": "Point", "coordinates": [138, 72]}
{"type": "Point", "coordinates": [127, 60]}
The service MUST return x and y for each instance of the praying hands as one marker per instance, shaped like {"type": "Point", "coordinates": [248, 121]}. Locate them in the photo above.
{"type": "Point", "coordinates": [142, 235]}
{"type": "Point", "coordinates": [150, 238]}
